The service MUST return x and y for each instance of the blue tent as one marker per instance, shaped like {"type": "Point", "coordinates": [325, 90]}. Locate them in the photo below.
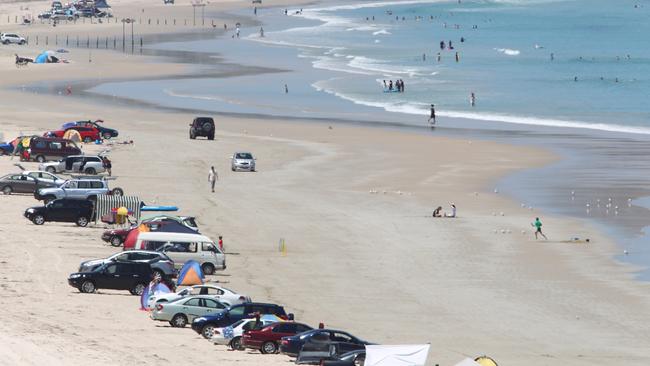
{"type": "Point", "coordinates": [42, 58]}
{"type": "Point", "coordinates": [190, 274]}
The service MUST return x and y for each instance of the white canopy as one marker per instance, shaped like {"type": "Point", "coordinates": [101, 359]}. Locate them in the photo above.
{"type": "Point", "coordinates": [467, 362]}
{"type": "Point", "coordinates": [397, 355]}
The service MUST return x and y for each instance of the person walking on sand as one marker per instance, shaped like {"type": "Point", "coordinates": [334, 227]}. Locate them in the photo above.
{"type": "Point", "coordinates": [432, 116]}
{"type": "Point", "coordinates": [212, 178]}
{"type": "Point", "coordinates": [538, 228]}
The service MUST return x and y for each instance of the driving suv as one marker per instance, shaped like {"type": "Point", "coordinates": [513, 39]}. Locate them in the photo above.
{"type": "Point", "coordinates": [7, 38]}
{"type": "Point", "coordinates": [132, 276]}
{"type": "Point", "coordinates": [159, 262]}
{"type": "Point", "coordinates": [202, 126]}
{"type": "Point", "coordinates": [87, 164]}
{"type": "Point", "coordinates": [63, 210]}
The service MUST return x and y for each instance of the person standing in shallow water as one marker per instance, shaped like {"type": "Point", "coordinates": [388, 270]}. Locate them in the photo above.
{"type": "Point", "coordinates": [432, 116]}
{"type": "Point", "coordinates": [538, 228]}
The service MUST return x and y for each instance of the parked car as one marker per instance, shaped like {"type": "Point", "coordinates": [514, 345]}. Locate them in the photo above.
{"type": "Point", "coordinates": [42, 149]}
{"type": "Point", "coordinates": [50, 178]}
{"type": "Point", "coordinates": [242, 161]}
{"type": "Point", "coordinates": [182, 311]}
{"type": "Point", "coordinates": [182, 247]}
{"type": "Point", "coordinates": [82, 189]}
{"type": "Point", "coordinates": [105, 132]}
{"type": "Point", "coordinates": [207, 324]}
{"type": "Point", "coordinates": [346, 342]}
{"type": "Point", "coordinates": [22, 183]}
{"type": "Point", "coordinates": [202, 126]}
{"type": "Point", "coordinates": [45, 15]}
{"type": "Point", "coordinates": [268, 339]}
{"type": "Point", "coordinates": [221, 294]}
{"type": "Point", "coordinates": [62, 210]}
{"type": "Point", "coordinates": [88, 134]}
{"type": "Point", "coordinates": [132, 276]}
{"type": "Point", "coordinates": [159, 262]}
{"type": "Point", "coordinates": [116, 237]}
{"type": "Point", "coordinates": [328, 354]}
{"type": "Point", "coordinates": [232, 334]}
{"type": "Point", "coordinates": [88, 164]}
{"type": "Point", "coordinates": [7, 38]}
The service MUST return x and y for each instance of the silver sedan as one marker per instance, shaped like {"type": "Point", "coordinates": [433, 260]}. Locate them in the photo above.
{"type": "Point", "coordinates": [180, 312]}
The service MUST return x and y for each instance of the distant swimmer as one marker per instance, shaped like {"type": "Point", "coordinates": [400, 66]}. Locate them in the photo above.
{"type": "Point", "coordinates": [457, 57]}
{"type": "Point", "coordinates": [439, 57]}
{"type": "Point", "coordinates": [424, 57]}
{"type": "Point", "coordinates": [261, 32]}
{"type": "Point", "coordinates": [462, 39]}
{"type": "Point", "coordinates": [385, 86]}
{"type": "Point", "coordinates": [472, 99]}
{"type": "Point", "coordinates": [450, 46]}
{"type": "Point", "coordinates": [442, 45]}
{"type": "Point", "coordinates": [286, 89]}
{"type": "Point", "coordinates": [390, 85]}
{"type": "Point", "coordinates": [552, 56]}
{"type": "Point", "coordinates": [432, 116]}
{"type": "Point", "coordinates": [575, 78]}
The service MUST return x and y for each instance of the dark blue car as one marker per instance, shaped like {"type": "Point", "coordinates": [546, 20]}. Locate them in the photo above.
{"type": "Point", "coordinates": [105, 132]}
{"type": "Point", "coordinates": [205, 325]}
{"type": "Point", "coordinates": [345, 342]}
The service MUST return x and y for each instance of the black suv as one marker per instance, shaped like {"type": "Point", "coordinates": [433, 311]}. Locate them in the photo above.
{"type": "Point", "coordinates": [202, 126]}
{"type": "Point", "coordinates": [206, 325]}
{"type": "Point", "coordinates": [62, 210]}
{"type": "Point", "coordinates": [132, 276]}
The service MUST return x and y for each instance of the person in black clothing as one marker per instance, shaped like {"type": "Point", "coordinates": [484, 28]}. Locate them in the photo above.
{"type": "Point", "coordinates": [432, 117]}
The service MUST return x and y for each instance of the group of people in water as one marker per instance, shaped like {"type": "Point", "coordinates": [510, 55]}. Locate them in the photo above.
{"type": "Point", "coordinates": [398, 86]}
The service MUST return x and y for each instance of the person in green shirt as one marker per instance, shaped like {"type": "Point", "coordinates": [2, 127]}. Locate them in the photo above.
{"type": "Point", "coordinates": [538, 228]}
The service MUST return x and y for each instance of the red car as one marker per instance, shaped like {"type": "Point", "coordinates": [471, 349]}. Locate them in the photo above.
{"type": "Point", "coordinates": [88, 134]}
{"type": "Point", "coordinates": [267, 339]}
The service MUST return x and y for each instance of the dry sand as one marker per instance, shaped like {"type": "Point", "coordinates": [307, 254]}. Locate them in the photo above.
{"type": "Point", "coordinates": [375, 264]}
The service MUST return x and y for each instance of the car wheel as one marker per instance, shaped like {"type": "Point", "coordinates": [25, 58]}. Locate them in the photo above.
{"type": "Point", "coordinates": [116, 241]}
{"type": "Point", "coordinates": [38, 219]}
{"type": "Point", "coordinates": [207, 268]}
{"type": "Point", "coordinates": [90, 171]}
{"type": "Point", "coordinates": [192, 136]}
{"type": "Point", "coordinates": [22, 42]}
{"type": "Point", "coordinates": [233, 168]}
{"type": "Point", "coordinates": [211, 137]}
{"type": "Point", "coordinates": [117, 191]}
{"type": "Point", "coordinates": [87, 287]}
{"type": "Point", "coordinates": [87, 139]}
{"type": "Point", "coordinates": [40, 158]}
{"type": "Point", "coordinates": [50, 169]}
{"type": "Point", "coordinates": [235, 344]}
{"type": "Point", "coordinates": [269, 348]}
{"type": "Point", "coordinates": [208, 331]}
{"type": "Point", "coordinates": [5, 42]}
{"type": "Point", "coordinates": [7, 190]}
{"type": "Point", "coordinates": [107, 135]}
{"type": "Point", "coordinates": [138, 289]}
{"type": "Point", "coordinates": [82, 221]}
{"type": "Point", "coordinates": [179, 321]}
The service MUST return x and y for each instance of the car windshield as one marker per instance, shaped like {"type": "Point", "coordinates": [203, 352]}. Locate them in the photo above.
{"type": "Point", "coordinates": [244, 156]}
{"type": "Point", "coordinates": [85, 269]}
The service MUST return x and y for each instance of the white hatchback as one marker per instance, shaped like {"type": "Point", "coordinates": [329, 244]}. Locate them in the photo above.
{"type": "Point", "coordinates": [7, 38]}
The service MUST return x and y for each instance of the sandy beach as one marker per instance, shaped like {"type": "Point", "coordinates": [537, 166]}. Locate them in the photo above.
{"type": "Point", "coordinates": [353, 205]}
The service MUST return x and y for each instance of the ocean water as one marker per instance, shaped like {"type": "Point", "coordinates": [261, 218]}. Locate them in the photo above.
{"type": "Point", "coordinates": [520, 58]}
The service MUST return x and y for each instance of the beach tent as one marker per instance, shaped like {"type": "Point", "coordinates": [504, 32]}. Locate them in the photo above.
{"type": "Point", "coordinates": [72, 135]}
{"type": "Point", "coordinates": [153, 289]}
{"type": "Point", "coordinates": [107, 203]}
{"type": "Point", "coordinates": [190, 274]}
{"type": "Point", "coordinates": [46, 57]}
{"type": "Point", "coordinates": [485, 361]}
{"type": "Point", "coordinates": [169, 226]}
{"type": "Point", "coordinates": [132, 236]}
{"type": "Point", "coordinates": [467, 362]}
{"type": "Point", "coordinates": [397, 355]}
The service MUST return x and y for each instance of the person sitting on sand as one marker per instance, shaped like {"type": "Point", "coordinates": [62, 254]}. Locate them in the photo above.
{"type": "Point", "coordinates": [437, 212]}
{"type": "Point", "coordinates": [453, 211]}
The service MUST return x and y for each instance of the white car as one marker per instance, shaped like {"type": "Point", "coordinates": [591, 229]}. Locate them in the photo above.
{"type": "Point", "coordinates": [44, 176]}
{"type": "Point", "coordinates": [87, 164]}
{"type": "Point", "coordinates": [231, 335]}
{"type": "Point", "coordinates": [242, 161]}
{"type": "Point", "coordinates": [221, 294]}
{"type": "Point", "coordinates": [7, 38]}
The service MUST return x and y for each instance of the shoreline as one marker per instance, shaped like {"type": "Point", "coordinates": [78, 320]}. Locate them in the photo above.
{"type": "Point", "coordinates": [305, 192]}
{"type": "Point", "coordinates": [625, 233]}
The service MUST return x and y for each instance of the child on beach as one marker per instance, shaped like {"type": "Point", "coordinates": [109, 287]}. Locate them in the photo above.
{"type": "Point", "coordinates": [538, 228]}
